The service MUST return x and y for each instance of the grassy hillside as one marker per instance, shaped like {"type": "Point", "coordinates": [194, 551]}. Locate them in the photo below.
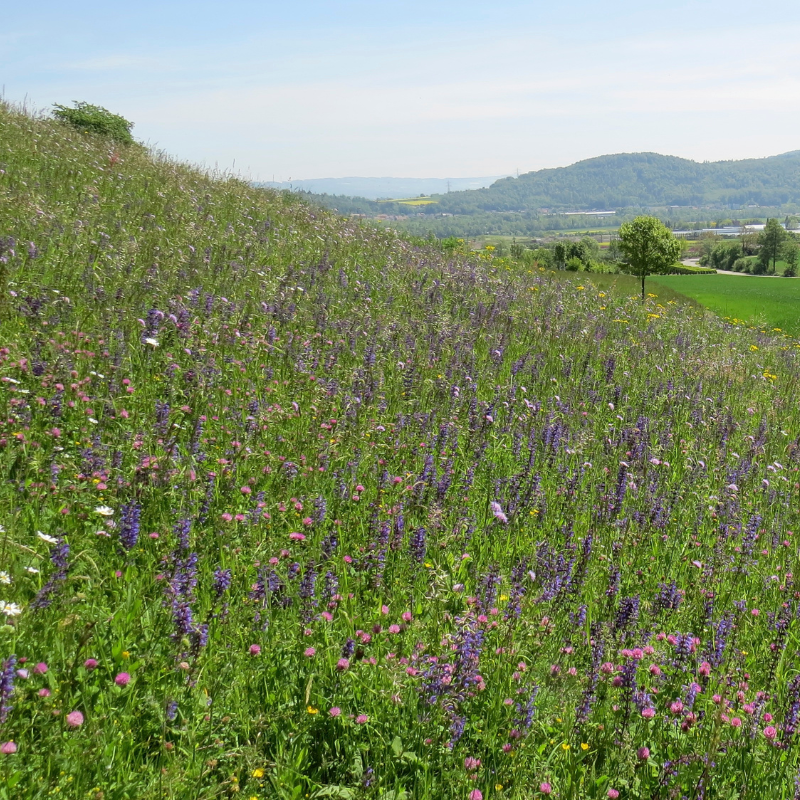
{"type": "Point", "coordinates": [297, 508]}
{"type": "Point", "coordinates": [638, 180]}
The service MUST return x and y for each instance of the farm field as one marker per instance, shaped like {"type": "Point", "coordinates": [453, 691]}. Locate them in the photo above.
{"type": "Point", "coordinates": [292, 507]}
{"type": "Point", "coordinates": [769, 302]}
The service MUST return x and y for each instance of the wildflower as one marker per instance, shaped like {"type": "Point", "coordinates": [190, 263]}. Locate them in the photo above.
{"type": "Point", "coordinates": [104, 511]}
{"type": "Point", "coordinates": [5, 578]}
{"type": "Point", "coordinates": [643, 753]}
{"type": "Point", "coordinates": [584, 745]}
{"type": "Point", "coordinates": [130, 524]}
{"type": "Point", "coordinates": [74, 719]}
{"type": "Point", "coordinates": [23, 674]}
{"type": "Point", "coordinates": [122, 679]}
{"type": "Point", "coordinates": [342, 664]}
{"type": "Point", "coordinates": [310, 652]}
{"type": "Point", "coordinates": [90, 664]}
{"type": "Point", "coordinates": [258, 773]}
{"type": "Point", "coordinates": [362, 719]}
{"type": "Point", "coordinates": [6, 686]}
{"type": "Point", "coordinates": [45, 538]}
{"type": "Point", "coordinates": [40, 668]}
{"type": "Point", "coordinates": [545, 788]}
{"type": "Point", "coordinates": [151, 341]}
{"type": "Point", "coordinates": [255, 649]}
{"type": "Point", "coordinates": [312, 710]}
{"type": "Point", "coordinates": [10, 609]}
{"type": "Point", "coordinates": [475, 794]}
{"type": "Point", "coordinates": [44, 693]}
{"type": "Point", "coordinates": [335, 711]}
{"type": "Point", "coordinates": [497, 512]}
{"type": "Point", "coordinates": [613, 794]}
{"type": "Point", "coordinates": [770, 732]}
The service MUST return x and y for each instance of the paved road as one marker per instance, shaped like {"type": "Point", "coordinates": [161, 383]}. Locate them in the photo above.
{"type": "Point", "coordinates": [693, 262]}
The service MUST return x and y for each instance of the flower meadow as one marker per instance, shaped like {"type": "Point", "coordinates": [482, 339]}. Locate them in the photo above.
{"type": "Point", "coordinates": [294, 507]}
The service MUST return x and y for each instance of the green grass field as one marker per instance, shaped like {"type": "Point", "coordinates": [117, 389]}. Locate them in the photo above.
{"type": "Point", "coordinates": [770, 302]}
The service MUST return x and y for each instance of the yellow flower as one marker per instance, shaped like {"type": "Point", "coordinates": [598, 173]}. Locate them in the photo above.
{"type": "Point", "coordinates": [498, 787]}
{"type": "Point", "coordinates": [126, 654]}
{"type": "Point", "coordinates": [565, 746]}
{"type": "Point", "coordinates": [258, 773]}
{"type": "Point", "coordinates": [753, 347]}
{"type": "Point", "coordinates": [584, 746]}
{"type": "Point", "coordinates": [312, 710]}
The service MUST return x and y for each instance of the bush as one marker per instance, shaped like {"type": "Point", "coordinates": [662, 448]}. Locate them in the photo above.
{"type": "Point", "coordinates": [740, 265]}
{"type": "Point", "coordinates": [682, 269]}
{"type": "Point", "coordinates": [574, 264]}
{"type": "Point", "coordinates": [87, 117]}
{"type": "Point", "coordinates": [723, 256]}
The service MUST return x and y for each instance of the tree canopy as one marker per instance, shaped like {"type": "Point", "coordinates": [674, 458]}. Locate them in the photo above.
{"type": "Point", "coordinates": [648, 247]}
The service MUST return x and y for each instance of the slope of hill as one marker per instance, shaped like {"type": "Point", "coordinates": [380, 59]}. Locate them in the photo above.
{"type": "Point", "coordinates": [638, 180]}
{"type": "Point", "coordinates": [295, 507]}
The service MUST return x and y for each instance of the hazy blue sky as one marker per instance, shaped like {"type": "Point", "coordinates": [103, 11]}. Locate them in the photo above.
{"type": "Point", "coordinates": [306, 88]}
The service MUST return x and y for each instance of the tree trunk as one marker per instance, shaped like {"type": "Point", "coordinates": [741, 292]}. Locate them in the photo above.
{"type": "Point", "coordinates": [643, 288]}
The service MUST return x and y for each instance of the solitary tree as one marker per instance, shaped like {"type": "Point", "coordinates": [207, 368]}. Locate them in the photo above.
{"type": "Point", "coordinates": [648, 246]}
{"type": "Point", "coordinates": [771, 240]}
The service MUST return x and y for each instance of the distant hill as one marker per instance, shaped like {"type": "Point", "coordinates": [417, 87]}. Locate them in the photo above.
{"type": "Point", "coordinates": [374, 188]}
{"type": "Point", "coordinates": [636, 180]}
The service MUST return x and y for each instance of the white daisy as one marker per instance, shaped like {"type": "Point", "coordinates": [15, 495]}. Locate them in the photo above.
{"type": "Point", "coordinates": [10, 609]}
{"type": "Point", "coordinates": [45, 538]}
{"type": "Point", "coordinates": [105, 511]}
{"type": "Point", "coordinates": [5, 578]}
{"type": "Point", "coordinates": [151, 341]}
{"type": "Point", "coordinates": [32, 570]}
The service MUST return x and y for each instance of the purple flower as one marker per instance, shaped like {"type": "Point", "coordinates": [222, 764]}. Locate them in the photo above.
{"type": "Point", "coordinates": [130, 522]}
{"type": "Point", "coordinates": [6, 687]}
{"type": "Point", "coordinates": [222, 581]}
{"type": "Point", "coordinates": [497, 512]}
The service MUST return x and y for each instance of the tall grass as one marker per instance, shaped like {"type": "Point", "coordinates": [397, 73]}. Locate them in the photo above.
{"type": "Point", "coordinates": [298, 508]}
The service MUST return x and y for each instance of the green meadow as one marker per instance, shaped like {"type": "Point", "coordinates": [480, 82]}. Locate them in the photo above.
{"type": "Point", "coordinates": [767, 301]}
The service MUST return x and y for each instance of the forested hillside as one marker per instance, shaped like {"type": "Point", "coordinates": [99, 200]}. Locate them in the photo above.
{"type": "Point", "coordinates": [635, 180]}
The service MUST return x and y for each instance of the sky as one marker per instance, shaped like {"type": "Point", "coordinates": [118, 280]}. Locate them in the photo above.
{"type": "Point", "coordinates": [312, 89]}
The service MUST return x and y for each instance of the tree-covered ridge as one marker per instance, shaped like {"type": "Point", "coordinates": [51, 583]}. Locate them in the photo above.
{"type": "Point", "coordinates": [637, 179]}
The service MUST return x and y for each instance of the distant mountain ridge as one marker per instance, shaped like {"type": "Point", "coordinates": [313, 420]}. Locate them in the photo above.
{"type": "Point", "coordinates": [375, 188]}
{"type": "Point", "coordinates": [628, 180]}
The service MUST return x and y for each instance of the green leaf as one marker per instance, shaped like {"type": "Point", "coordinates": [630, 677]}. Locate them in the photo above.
{"type": "Point", "coordinates": [397, 746]}
{"type": "Point", "coordinates": [335, 791]}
